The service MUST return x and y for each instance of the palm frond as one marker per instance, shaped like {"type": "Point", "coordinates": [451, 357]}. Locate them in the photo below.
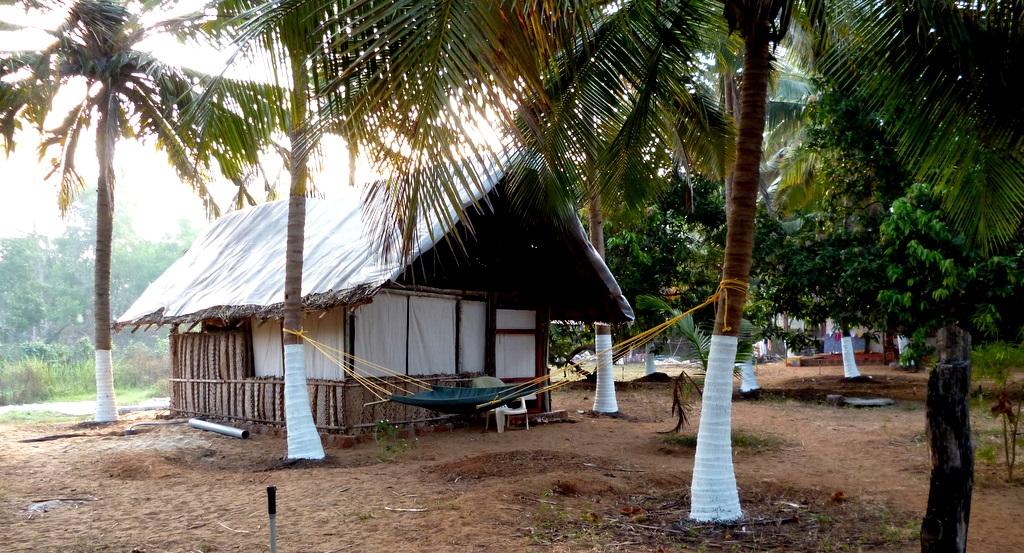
{"type": "Point", "coordinates": [797, 186]}
{"type": "Point", "coordinates": [941, 75]}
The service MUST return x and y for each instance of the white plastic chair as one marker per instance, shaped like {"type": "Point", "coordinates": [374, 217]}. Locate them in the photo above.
{"type": "Point", "coordinates": [501, 412]}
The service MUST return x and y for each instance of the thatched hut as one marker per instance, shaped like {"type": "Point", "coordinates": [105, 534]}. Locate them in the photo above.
{"type": "Point", "coordinates": [454, 310]}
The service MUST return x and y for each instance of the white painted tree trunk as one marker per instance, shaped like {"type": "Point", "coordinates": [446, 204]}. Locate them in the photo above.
{"type": "Point", "coordinates": [106, 404]}
{"type": "Point", "coordinates": [649, 368]}
{"type": "Point", "coordinates": [901, 343]}
{"type": "Point", "coordinates": [849, 361]}
{"type": "Point", "coordinates": [303, 439]}
{"type": "Point", "coordinates": [748, 379]}
{"type": "Point", "coordinates": [713, 493]}
{"type": "Point", "coordinates": [604, 397]}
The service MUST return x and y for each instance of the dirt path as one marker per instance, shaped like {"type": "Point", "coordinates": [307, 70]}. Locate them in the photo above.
{"type": "Point", "coordinates": [176, 489]}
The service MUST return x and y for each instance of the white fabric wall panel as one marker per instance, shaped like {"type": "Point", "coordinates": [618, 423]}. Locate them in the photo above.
{"type": "Point", "coordinates": [266, 348]}
{"type": "Point", "coordinates": [515, 356]}
{"type": "Point", "coordinates": [327, 328]}
{"type": "Point", "coordinates": [431, 336]}
{"type": "Point", "coordinates": [520, 319]}
{"type": "Point", "coordinates": [381, 333]}
{"type": "Point", "coordinates": [473, 336]}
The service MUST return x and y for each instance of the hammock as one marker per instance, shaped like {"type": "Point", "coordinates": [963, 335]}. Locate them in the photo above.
{"type": "Point", "coordinates": [464, 401]}
{"type": "Point", "coordinates": [451, 400]}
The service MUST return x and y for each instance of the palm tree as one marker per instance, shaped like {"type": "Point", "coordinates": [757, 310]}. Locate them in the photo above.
{"type": "Point", "coordinates": [131, 94]}
{"type": "Point", "coordinates": [289, 41]}
{"type": "Point", "coordinates": [760, 24]}
{"type": "Point", "coordinates": [644, 52]}
{"type": "Point", "coordinates": [604, 395]}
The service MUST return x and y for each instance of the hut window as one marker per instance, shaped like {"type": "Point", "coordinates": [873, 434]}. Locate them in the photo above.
{"type": "Point", "coordinates": [431, 336]}
{"type": "Point", "coordinates": [516, 356]}
{"type": "Point", "coordinates": [381, 333]}
{"type": "Point", "coordinates": [516, 319]}
{"type": "Point", "coordinates": [515, 344]}
{"type": "Point", "coordinates": [472, 336]}
{"type": "Point", "coordinates": [266, 348]}
{"type": "Point", "coordinates": [328, 328]}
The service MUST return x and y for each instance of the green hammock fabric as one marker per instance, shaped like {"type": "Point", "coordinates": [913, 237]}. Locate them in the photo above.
{"type": "Point", "coordinates": [464, 401]}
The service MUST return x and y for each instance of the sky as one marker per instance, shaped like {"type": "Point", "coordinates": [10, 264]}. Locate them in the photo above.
{"type": "Point", "coordinates": [146, 185]}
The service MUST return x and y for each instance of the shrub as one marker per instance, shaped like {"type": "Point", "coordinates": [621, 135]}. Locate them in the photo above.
{"type": "Point", "coordinates": [998, 361]}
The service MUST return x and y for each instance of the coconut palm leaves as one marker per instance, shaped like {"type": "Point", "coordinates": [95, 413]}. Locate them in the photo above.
{"type": "Point", "coordinates": [96, 44]}
{"type": "Point", "coordinates": [564, 98]}
{"type": "Point", "coordinates": [943, 77]}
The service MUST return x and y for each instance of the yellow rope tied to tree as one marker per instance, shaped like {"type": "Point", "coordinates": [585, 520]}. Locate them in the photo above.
{"type": "Point", "coordinates": [618, 351]}
{"type": "Point", "coordinates": [734, 284]}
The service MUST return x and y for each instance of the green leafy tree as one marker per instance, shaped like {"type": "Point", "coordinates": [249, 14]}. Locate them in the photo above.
{"type": "Point", "coordinates": [821, 262]}
{"type": "Point", "coordinates": [670, 248]}
{"type": "Point", "coordinates": [48, 289]}
{"type": "Point", "coordinates": [973, 290]}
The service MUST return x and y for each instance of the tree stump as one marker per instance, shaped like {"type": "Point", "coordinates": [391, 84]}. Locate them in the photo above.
{"type": "Point", "coordinates": [944, 528]}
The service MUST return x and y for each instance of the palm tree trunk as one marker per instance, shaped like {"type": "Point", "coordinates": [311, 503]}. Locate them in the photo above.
{"type": "Point", "coordinates": [714, 496]}
{"type": "Point", "coordinates": [649, 358]}
{"type": "Point", "coordinates": [604, 396]}
{"type": "Point", "coordinates": [944, 527]}
{"type": "Point", "coordinates": [106, 135]}
{"type": "Point", "coordinates": [748, 378]}
{"type": "Point", "coordinates": [303, 439]}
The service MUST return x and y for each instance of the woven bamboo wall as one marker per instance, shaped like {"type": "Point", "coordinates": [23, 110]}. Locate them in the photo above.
{"type": "Point", "coordinates": [212, 375]}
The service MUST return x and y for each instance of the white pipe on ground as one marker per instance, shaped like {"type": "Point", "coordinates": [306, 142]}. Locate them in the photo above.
{"type": "Point", "coordinates": [604, 396]}
{"type": "Point", "coordinates": [219, 428]}
{"type": "Point", "coordinates": [849, 361]}
{"type": "Point", "coordinates": [106, 404]}
{"type": "Point", "coordinates": [713, 493]}
{"type": "Point", "coordinates": [303, 439]}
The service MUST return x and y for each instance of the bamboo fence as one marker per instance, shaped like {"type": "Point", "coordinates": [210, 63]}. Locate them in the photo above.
{"type": "Point", "coordinates": [212, 375]}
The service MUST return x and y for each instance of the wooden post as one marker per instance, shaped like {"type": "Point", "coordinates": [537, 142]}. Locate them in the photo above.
{"type": "Point", "coordinates": [542, 328]}
{"type": "Point", "coordinates": [944, 528]}
{"type": "Point", "coordinates": [490, 346]}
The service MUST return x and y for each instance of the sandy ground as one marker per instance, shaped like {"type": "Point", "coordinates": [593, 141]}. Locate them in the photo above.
{"type": "Point", "coordinates": [557, 487]}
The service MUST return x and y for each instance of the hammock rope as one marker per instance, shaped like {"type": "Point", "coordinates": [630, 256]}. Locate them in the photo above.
{"type": "Point", "coordinates": [336, 355]}
{"type": "Point", "coordinates": [622, 348]}
{"type": "Point", "coordinates": [379, 387]}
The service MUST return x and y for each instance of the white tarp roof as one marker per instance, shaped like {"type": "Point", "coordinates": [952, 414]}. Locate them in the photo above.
{"type": "Point", "coordinates": [236, 267]}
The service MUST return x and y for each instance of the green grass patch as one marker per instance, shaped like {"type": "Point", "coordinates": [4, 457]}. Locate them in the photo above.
{"type": "Point", "coordinates": [124, 397]}
{"type": "Point", "coordinates": [741, 440]}
{"type": "Point", "coordinates": [44, 373]}
{"type": "Point", "coordinates": [129, 396]}
{"type": "Point", "coordinates": [38, 417]}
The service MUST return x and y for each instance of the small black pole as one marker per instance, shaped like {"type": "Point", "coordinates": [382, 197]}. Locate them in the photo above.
{"type": "Point", "coordinates": [272, 511]}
